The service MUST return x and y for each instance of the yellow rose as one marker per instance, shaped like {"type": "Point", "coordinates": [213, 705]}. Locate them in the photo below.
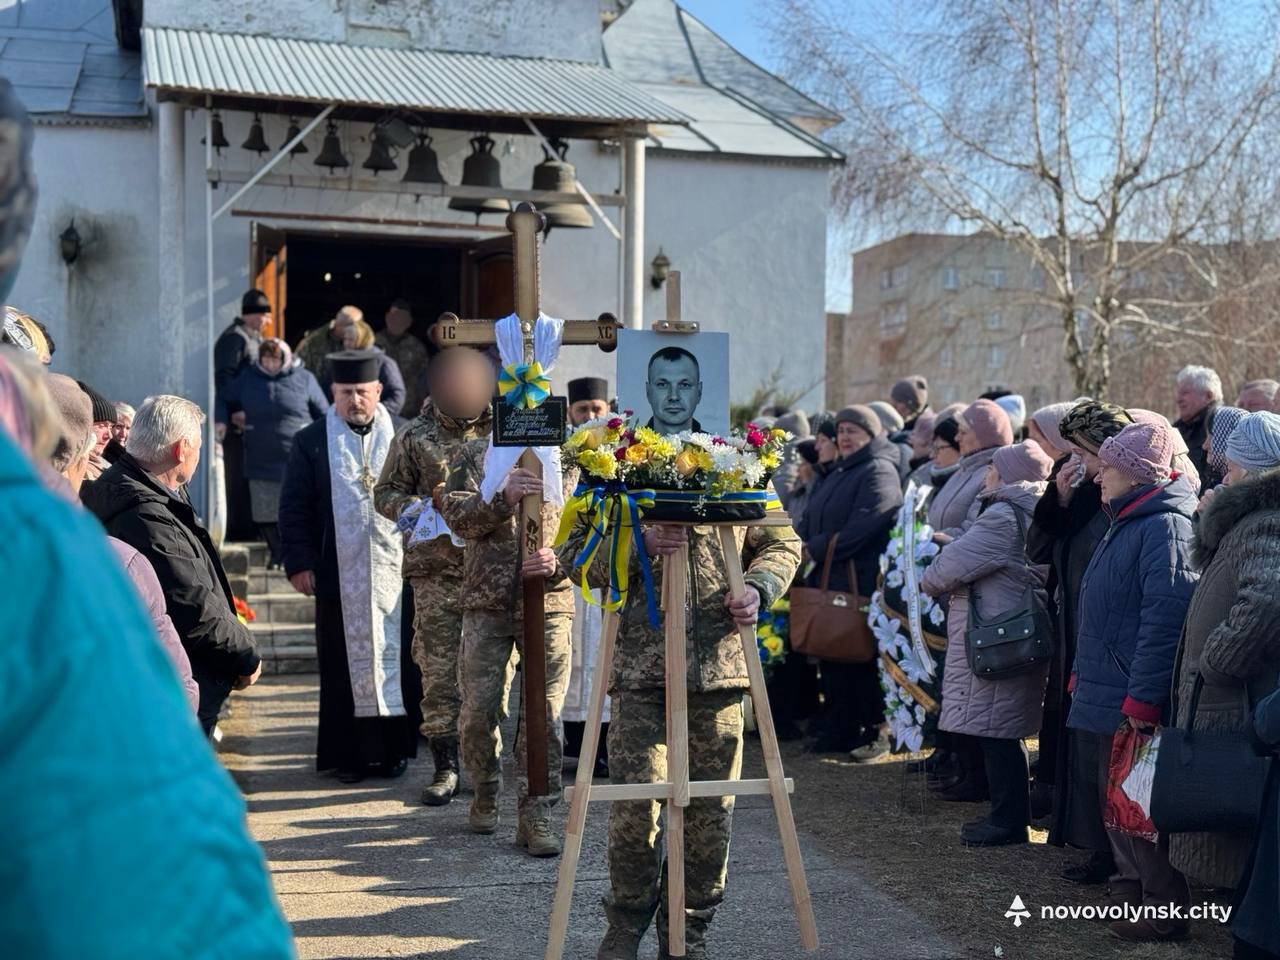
{"type": "Point", "coordinates": [637, 453]}
{"type": "Point", "coordinates": [687, 464]}
{"type": "Point", "coordinates": [592, 438]}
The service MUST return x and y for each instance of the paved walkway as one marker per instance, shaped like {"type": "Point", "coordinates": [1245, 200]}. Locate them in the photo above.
{"type": "Point", "coordinates": [366, 871]}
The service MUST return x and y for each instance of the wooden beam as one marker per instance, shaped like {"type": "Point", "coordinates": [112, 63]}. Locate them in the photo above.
{"type": "Point", "coordinates": [450, 331]}
{"type": "Point", "coordinates": [697, 788]}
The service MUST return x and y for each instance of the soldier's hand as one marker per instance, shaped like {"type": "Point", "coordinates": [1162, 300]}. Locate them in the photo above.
{"type": "Point", "coordinates": [661, 540]}
{"type": "Point", "coordinates": [746, 608]}
{"type": "Point", "coordinates": [541, 564]}
{"type": "Point", "coordinates": [304, 582]}
{"type": "Point", "coordinates": [520, 484]}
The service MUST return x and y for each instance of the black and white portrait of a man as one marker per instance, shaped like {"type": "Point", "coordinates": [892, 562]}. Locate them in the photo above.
{"type": "Point", "coordinates": [675, 382]}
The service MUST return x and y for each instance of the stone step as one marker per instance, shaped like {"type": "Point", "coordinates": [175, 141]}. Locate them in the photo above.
{"type": "Point", "coordinates": [285, 647]}
{"type": "Point", "coordinates": [284, 608]}
{"type": "Point", "coordinates": [263, 581]}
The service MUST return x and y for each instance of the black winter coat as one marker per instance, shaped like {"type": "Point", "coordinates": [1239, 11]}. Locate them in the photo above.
{"type": "Point", "coordinates": [307, 538]}
{"type": "Point", "coordinates": [275, 408]}
{"type": "Point", "coordinates": [235, 349]}
{"type": "Point", "coordinates": [135, 508]}
{"type": "Point", "coordinates": [857, 502]}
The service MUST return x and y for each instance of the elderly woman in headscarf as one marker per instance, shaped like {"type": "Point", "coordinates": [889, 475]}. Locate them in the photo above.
{"type": "Point", "coordinates": [1230, 644]}
{"type": "Point", "coordinates": [1222, 423]}
{"type": "Point", "coordinates": [1066, 528]}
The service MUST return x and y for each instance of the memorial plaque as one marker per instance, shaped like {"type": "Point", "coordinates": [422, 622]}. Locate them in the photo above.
{"type": "Point", "coordinates": [543, 426]}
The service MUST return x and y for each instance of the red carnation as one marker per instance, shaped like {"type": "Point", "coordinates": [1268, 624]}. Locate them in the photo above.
{"type": "Point", "coordinates": [756, 438]}
{"type": "Point", "coordinates": [620, 454]}
{"type": "Point", "coordinates": [615, 423]}
{"type": "Point", "coordinates": [718, 442]}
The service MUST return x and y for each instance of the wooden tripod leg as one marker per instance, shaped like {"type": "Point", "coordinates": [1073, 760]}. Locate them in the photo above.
{"type": "Point", "coordinates": [675, 584]}
{"type": "Point", "coordinates": [582, 789]}
{"type": "Point", "coordinates": [772, 757]}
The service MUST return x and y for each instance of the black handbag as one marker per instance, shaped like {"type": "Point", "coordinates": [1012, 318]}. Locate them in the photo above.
{"type": "Point", "coordinates": [1018, 642]}
{"type": "Point", "coordinates": [1207, 781]}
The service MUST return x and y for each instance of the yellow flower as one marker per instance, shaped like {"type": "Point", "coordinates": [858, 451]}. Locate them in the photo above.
{"type": "Point", "coordinates": [687, 463]}
{"type": "Point", "coordinates": [778, 434]}
{"type": "Point", "coordinates": [773, 645]}
{"type": "Point", "coordinates": [599, 463]}
{"type": "Point", "coordinates": [660, 449]}
{"type": "Point", "coordinates": [637, 453]}
{"type": "Point", "coordinates": [770, 460]}
{"type": "Point", "coordinates": [649, 437]}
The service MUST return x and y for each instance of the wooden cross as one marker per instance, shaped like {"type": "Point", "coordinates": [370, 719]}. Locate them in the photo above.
{"type": "Point", "coordinates": [525, 225]}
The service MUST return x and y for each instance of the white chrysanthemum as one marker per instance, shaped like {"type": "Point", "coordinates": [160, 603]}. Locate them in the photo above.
{"type": "Point", "coordinates": [752, 470]}
{"type": "Point", "coordinates": [704, 440]}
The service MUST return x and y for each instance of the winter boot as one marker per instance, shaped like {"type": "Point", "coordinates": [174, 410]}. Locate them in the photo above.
{"type": "Point", "coordinates": [626, 930]}
{"type": "Point", "coordinates": [695, 931]}
{"type": "Point", "coordinates": [483, 817]}
{"type": "Point", "coordinates": [536, 835]}
{"type": "Point", "coordinates": [442, 789]}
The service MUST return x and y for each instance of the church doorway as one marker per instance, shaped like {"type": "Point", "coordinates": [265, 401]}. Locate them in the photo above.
{"type": "Point", "coordinates": [310, 275]}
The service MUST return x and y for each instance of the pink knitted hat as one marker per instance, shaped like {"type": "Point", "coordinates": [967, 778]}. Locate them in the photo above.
{"type": "Point", "coordinates": [1022, 462]}
{"type": "Point", "coordinates": [989, 424]}
{"type": "Point", "coordinates": [1142, 452]}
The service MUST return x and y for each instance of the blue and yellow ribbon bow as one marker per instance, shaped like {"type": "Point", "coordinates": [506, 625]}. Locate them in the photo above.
{"type": "Point", "coordinates": [611, 506]}
{"type": "Point", "coordinates": [524, 385]}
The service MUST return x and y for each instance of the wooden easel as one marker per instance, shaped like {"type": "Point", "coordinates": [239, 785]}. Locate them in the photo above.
{"type": "Point", "coordinates": [677, 790]}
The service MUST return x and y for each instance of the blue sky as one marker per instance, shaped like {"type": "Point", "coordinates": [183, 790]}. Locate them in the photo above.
{"type": "Point", "coordinates": [741, 23]}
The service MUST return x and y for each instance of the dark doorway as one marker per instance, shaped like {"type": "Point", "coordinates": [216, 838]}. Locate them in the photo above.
{"type": "Point", "coordinates": [325, 272]}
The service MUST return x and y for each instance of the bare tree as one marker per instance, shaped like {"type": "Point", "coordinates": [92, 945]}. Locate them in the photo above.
{"type": "Point", "coordinates": [1127, 147]}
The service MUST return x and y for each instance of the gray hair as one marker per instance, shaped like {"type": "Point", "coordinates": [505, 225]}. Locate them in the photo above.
{"type": "Point", "coordinates": [1269, 387]}
{"type": "Point", "coordinates": [162, 422]}
{"type": "Point", "coordinates": [1205, 379]}
{"type": "Point", "coordinates": [124, 410]}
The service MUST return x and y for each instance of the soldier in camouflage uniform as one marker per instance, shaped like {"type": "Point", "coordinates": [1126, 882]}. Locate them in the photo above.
{"type": "Point", "coordinates": [462, 382]}
{"type": "Point", "coordinates": [717, 677]}
{"type": "Point", "coordinates": [491, 627]}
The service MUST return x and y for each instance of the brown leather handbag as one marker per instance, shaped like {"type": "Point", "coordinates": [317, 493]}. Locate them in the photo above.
{"type": "Point", "coordinates": [831, 624]}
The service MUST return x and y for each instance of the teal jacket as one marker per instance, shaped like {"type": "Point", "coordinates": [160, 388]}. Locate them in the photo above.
{"type": "Point", "coordinates": [124, 837]}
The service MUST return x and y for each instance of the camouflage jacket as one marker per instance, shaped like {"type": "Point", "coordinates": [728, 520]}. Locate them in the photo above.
{"type": "Point", "coordinates": [314, 348]}
{"type": "Point", "coordinates": [491, 558]}
{"type": "Point", "coordinates": [410, 355]}
{"type": "Point", "coordinates": [417, 461]}
{"type": "Point", "coordinates": [770, 557]}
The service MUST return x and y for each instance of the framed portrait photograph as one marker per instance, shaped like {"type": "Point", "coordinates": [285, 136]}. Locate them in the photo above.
{"type": "Point", "coordinates": [675, 381]}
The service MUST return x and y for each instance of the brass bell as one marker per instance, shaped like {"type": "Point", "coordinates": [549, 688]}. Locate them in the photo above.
{"type": "Point", "coordinates": [481, 169]}
{"type": "Point", "coordinates": [556, 174]}
{"type": "Point", "coordinates": [294, 130]}
{"type": "Point", "coordinates": [424, 166]}
{"type": "Point", "coordinates": [219, 136]}
{"type": "Point", "coordinates": [379, 158]}
{"type": "Point", "coordinates": [331, 153]}
{"type": "Point", "coordinates": [256, 141]}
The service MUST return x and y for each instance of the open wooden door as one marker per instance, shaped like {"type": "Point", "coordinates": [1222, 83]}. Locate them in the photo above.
{"type": "Point", "coordinates": [267, 266]}
{"type": "Point", "coordinates": [486, 279]}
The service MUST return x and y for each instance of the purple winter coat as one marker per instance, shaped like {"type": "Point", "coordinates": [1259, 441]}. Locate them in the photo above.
{"type": "Point", "coordinates": [954, 508]}
{"type": "Point", "coordinates": [990, 557]}
{"type": "Point", "coordinates": [148, 587]}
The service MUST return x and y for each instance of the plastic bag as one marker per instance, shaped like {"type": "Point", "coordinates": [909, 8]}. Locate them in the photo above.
{"type": "Point", "coordinates": [1130, 775]}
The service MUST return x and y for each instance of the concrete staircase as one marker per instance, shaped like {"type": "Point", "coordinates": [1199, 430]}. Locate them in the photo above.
{"type": "Point", "coordinates": [285, 629]}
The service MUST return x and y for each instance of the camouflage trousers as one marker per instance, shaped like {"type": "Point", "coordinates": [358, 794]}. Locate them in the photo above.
{"type": "Point", "coordinates": [638, 754]}
{"type": "Point", "coordinates": [437, 638]}
{"type": "Point", "coordinates": [487, 671]}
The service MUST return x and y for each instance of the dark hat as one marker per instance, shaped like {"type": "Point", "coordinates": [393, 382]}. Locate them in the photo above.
{"type": "Point", "coordinates": [354, 366]}
{"type": "Point", "coordinates": [863, 417]}
{"type": "Point", "coordinates": [104, 411]}
{"type": "Point", "coordinates": [588, 388]}
{"type": "Point", "coordinates": [255, 301]}
{"type": "Point", "coordinates": [808, 451]}
{"type": "Point", "coordinates": [912, 392]}
{"type": "Point", "coordinates": [826, 427]}
{"type": "Point", "coordinates": [946, 429]}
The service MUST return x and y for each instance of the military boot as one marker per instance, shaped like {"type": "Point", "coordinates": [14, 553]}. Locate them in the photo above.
{"type": "Point", "coordinates": [695, 932]}
{"type": "Point", "coordinates": [442, 789]}
{"type": "Point", "coordinates": [484, 809]}
{"type": "Point", "coordinates": [536, 835]}
{"type": "Point", "coordinates": [622, 940]}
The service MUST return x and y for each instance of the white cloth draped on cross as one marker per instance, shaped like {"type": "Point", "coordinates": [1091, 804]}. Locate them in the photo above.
{"type": "Point", "coordinates": [499, 461]}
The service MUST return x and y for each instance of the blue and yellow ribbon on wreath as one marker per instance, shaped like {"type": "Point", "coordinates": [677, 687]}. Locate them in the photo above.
{"type": "Point", "coordinates": [524, 385]}
{"type": "Point", "coordinates": [611, 507]}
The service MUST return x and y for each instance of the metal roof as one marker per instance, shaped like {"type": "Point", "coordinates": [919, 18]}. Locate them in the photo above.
{"type": "Point", "coordinates": [272, 68]}
{"type": "Point", "coordinates": [63, 61]}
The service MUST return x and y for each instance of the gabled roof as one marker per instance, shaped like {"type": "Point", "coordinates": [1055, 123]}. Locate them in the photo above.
{"type": "Point", "coordinates": [63, 60]}
{"type": "Point", "coordinates": [737, 106]}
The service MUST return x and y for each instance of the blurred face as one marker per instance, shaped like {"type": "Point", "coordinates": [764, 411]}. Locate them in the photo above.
{"type": "Point", "coordinates": [921, 445]}
{"type": "Point", "coordinates": [356, 402]}
{"type": "Point", "coordinates": [904, 411]}
{"type": "Point", "coordinates": [462, 383]}
{"type": "Point", "coordinates": [341, 324]}
{"type": "Point", "coordinates": [1091, 462]}
{"type": "Point", "coordinates": [1036, 436]}
{"type": "Point", "coordinates": [991, 479]}
{"type": "Point", "coordinates": [827, 450]}
{"type": "Point", "coordinates": [120, 430]}
{"type": "Point", "coordinates": [804, 473]}
{"type": "Point", "coordinates": [967, 439]}
{"type": "Point", "coordinates": [944, 454]}
{"type": "Point", "coordinates": [348, 337]}
{"type": "Point", "coordinates": [271, 365]}
{"type": "Point", "coordinates": [1189, 400]}
{"type": "Point", "coordinates": [256, 321]}
{"type": "Point", "coordinates": [1254, 399]}
{"type": "Point", "coordinates": [1113, 483]}
{"type": "Point", "coordinates": [398, 321]}
{"type": "Point", "coordinates": [1235, 473]}
{"type": "Point", "coordinates": [850, 438]}
{"type": "Point", "coordinates": [583, 410]}
{"type": "Point", "coordinates": [102, 430]}
{"type": "Point", "coordinates": [674, 390]}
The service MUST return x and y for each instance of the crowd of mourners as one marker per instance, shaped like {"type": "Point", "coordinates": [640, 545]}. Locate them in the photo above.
{"type": "Point", "coordinates": [1146, 556]}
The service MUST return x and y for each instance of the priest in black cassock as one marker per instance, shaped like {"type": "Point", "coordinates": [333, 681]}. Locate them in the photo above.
{"type": "Point", "coordinates": [337, 548]}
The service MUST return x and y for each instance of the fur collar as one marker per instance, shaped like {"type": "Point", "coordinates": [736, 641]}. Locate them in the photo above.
{"type": "Point", "coordinates": [1229, 506]}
